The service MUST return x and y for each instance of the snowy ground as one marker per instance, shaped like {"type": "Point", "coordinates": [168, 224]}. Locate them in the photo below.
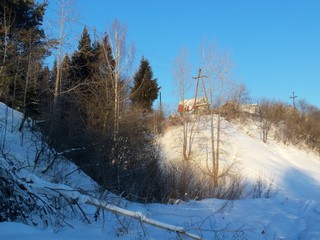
{"type": "Point", "coordinates": [294, 213]}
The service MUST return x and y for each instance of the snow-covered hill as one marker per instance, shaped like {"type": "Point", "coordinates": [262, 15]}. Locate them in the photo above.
{"type": "Point", "coordinates": [294, 213]}
{"type": "Point", "coordinates": [294, 171]}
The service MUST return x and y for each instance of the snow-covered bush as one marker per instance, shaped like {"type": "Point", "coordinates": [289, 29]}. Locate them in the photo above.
{"type": "Point", "coordinates": [19, 205]}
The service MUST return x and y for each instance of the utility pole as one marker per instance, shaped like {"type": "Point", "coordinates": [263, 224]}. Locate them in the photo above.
{"type": "Point", "coordinates": [160, 103]}
{"type": "Point", "coordinates": [293, 100]}
{"type": "Point", "coordinates": [200, 76]}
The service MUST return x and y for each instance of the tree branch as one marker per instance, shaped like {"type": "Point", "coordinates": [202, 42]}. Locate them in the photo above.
{"type": "Point", "coordinates": [35, 185]}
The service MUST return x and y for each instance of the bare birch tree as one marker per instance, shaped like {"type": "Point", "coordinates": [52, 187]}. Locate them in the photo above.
{"type": "Point", "coordinates": [66, 16]}
{"type": "Point", "coordinates": [217, 67]}
{"type": "Point", "coordinates": [122, 58]}
{"type": "Point", "coordinates": [182, 74]}
{"type": "Point", "coordinates": [122, 61]}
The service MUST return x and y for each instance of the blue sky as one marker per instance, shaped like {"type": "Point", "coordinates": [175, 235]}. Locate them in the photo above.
{"type": "Point", "coordinates": [274, 44]}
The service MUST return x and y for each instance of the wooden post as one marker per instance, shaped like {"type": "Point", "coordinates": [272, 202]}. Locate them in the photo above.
{"type": "Point", "coordinates": [200, 76]}
{"type": "Point", "coordinates": [293, 100]}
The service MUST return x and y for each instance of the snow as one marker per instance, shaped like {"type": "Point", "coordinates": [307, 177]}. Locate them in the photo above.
{"type": "Point", "coordinates": [294, 213]}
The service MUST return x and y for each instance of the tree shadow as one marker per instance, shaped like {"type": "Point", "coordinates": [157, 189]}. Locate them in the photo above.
{"type": "Point", "coordinates": [299, 185]}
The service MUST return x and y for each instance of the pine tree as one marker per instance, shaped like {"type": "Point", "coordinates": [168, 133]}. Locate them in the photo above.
{"type": "Point", "coordinates": [145, 89]}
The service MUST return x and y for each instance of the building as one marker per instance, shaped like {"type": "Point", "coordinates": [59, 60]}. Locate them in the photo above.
{"type": "Point", "coordinates": [192, 105]}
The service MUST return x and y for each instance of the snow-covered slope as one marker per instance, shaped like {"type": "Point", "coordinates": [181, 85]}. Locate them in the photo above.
{"type": "Point", "coordinates": [29, 152]}
{"type": "Point", "coordinates": [294, 213]}
{"type": "Point", "coordinates": [294, 171]}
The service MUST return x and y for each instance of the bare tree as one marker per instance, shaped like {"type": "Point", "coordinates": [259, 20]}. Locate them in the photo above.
{"type": "Point", "coordinates": [121, 58]}
{"type": "Point", "coordinates": [217, 67]}
{"type": "Point", "coordinates": [66, 16]}
{"type": "Point", "coordinates": [122, 62]}
{"type": "Point", "coordinates": [7, 22]}
{"type": "Point", "coordinates": [265, 114]}
{"type": "Point", "coordinates": [183, 77]}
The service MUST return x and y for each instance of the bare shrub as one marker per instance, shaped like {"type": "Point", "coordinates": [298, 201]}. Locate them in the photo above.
{"type": "Point", "coordinates": [299, 126]}
{"type": "Point", "coordinates": [183, 181]}
{"type": "Point", "coordinates": [173, 120]}
{"type": "Point", "coordinates": [262, 188]}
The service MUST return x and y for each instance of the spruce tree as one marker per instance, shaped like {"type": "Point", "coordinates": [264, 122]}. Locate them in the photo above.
{"type": "Point", "coordinates": [66, 82]}
{"type": "Point", "coordinates": [145, 88]}
{"type": "Point", "coordinates": [82, 59]}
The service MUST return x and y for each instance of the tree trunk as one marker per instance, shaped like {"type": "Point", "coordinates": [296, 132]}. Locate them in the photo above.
{"type": "Point", "coordinates": [57, 82]}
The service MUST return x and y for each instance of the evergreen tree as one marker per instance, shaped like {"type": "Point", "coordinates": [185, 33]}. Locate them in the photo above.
{"type": "Point", "coordinates": [145, 88]}
{"type": "Point", "coordinates": [82, 60]}
{"type": "Point", "coordinates": [22, 49]}
{"type": "Point", "coordinates": [107, 54]}
{"type": "Point", "coordinates": [100, 103]}
{"type": "Point", "coordinates": [66, 73]}
{"type": "Point", "coordinates": [44, 93]}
